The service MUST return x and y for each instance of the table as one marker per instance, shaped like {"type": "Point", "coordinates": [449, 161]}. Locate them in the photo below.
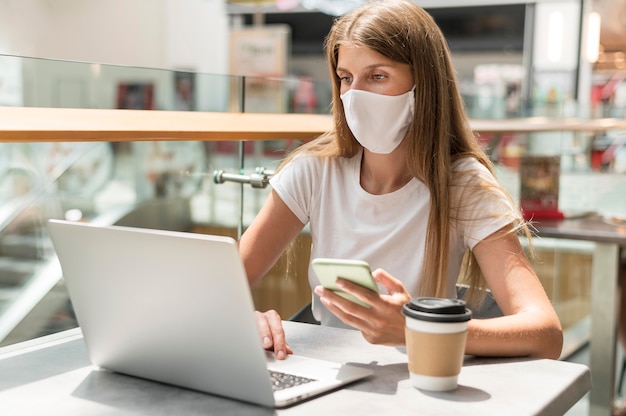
{"type": "Point", "coordinates": [608, 239]}
{"type": "Point", "coordinates": [54, 377]}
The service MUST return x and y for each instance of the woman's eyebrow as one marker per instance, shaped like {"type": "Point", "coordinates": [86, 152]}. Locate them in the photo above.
{"type": "Point", "coordinates": [368, 67]}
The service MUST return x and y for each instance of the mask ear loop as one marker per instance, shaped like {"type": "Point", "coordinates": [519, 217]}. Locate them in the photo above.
{"type": "Point", "coordinates": [412, 101]}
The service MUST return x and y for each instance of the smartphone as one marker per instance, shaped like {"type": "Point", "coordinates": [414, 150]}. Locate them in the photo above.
{"type": "Point", "coordinates": [357, 271]}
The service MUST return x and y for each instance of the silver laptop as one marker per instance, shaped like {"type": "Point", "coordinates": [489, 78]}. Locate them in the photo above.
{"type": "Point", "coordinates": [176, 308]}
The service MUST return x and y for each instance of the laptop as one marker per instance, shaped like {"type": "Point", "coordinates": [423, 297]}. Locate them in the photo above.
{"type": "Point", "coordinates": [176, 308]}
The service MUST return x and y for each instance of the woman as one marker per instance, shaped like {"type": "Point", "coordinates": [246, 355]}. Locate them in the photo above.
{"type": "Point", "coordinates": [401, 183]}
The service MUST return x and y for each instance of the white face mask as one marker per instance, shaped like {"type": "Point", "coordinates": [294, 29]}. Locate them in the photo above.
{"type": "Point", "coordinates": [379, 122]}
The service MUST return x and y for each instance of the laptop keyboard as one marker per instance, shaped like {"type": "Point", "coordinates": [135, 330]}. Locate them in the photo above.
{"type": "Point", "coordinates": [281, 381]}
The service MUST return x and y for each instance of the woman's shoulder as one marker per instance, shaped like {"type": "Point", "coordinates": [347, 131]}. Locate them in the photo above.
{"type": "Point", "coordinates": [469, 171]}
{"type": "Point", "coordinates": [307, 160]}
{"type": "Point", "coordinates": [468, 163]}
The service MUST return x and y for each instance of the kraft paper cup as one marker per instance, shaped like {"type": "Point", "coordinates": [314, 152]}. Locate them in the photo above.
{"type": "Point", "coordinates": [436, 332]}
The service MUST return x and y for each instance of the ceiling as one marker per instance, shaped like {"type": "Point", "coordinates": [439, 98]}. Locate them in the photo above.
{"type": "Point", "coordinates": [612, 34]}
{"type": "Point", "coordinates": [613, 28]}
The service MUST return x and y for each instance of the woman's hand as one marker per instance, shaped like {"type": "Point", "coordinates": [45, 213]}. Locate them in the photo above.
{"type": "Point", "coordinates": [272, 334]}
{"type": "Point", "coordinates": [383, 322]}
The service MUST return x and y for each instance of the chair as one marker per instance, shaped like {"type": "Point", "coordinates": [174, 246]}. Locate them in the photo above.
{"type": "Point", "coordinates": [488, 308]}
{"type": "Point", "coordinates": [622, 373]}
{"type": "Point", "coordinates": [304, 315]}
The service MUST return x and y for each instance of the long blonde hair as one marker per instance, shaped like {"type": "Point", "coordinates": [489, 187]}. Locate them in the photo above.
{"type": "Point", "coordinates": [440, 133]}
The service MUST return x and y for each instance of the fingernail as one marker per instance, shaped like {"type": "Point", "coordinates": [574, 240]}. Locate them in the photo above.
{"type": "Point", "coordinates": [280, 354]}
{"type": "Point", "coordinates": [267, 342]}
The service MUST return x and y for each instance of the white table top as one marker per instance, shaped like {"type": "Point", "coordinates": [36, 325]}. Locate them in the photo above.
{"type": "Point", "coordinates": [55, 378]}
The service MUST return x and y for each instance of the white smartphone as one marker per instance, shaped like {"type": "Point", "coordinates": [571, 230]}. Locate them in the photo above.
{"type": "Point", "coordinates": [357, 271]}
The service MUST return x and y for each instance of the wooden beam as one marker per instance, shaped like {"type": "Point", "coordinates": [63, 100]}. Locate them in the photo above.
{"type": "Point", "coordinates": [33, 124]}
{"type": "Point", "coordinates": [545, 124]}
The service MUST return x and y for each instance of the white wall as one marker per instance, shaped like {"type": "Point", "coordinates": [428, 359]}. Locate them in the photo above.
{"type": "Point", "coordinates": [197, 35]}
{"type": "Point", "coordinates": [22, 24]}
{"type": "Point", "coordinates": [147, 33]}
{"type": "Point", "coordinates": [128, 34]}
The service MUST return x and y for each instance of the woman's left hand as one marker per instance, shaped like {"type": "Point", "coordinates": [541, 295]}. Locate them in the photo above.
{"type": "Point", "coordinates": [383, 322]}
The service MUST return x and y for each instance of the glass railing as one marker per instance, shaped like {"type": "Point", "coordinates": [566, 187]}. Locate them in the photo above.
{"type": "Point", "coordinates": [35, 82]}
{"type": "Point", "coordinates": [172, 184]}
{"type": "Point", "coordinates": [156, 184]}
{"type": "Point", "coordinates": [64, 84]}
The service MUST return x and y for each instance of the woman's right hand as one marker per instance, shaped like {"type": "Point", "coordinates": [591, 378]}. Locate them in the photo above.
{"type": "Point", "coordinates": [270, 326]}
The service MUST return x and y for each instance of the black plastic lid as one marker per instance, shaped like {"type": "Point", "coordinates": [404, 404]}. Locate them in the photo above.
{"type": "Point", "coordinates": [437, 310]}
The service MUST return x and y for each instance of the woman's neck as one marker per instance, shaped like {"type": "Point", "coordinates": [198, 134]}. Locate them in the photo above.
{"type": "Point", "coordinates": [383, 174]}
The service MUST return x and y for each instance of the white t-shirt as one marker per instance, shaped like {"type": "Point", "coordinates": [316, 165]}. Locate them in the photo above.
{"type": "Point", "coordinates": [387, 231]}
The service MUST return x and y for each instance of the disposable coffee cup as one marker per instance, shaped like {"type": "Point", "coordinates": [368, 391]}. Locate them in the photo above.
{"type": "Point", "coordinates": [436, 332]}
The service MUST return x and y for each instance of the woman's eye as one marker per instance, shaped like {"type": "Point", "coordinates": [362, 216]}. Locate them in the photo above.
{"type": "Point", "coordinates": [345, 79]}
{"type": "Point", "coordinates": [378, 77]}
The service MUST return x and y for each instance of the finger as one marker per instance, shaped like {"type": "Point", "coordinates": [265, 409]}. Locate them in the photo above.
{"type": "Point", "coordinates": [346, 310]}
{"type": "Point", "coordinates": [390, 283]}
{"type": "Point", "coordinates": [335, 300]}
{"type": "Point", "coordinates": [361, 293]}
{"type": "Point", "coordinates": [264, 330]}
{"type": "Point", "coordinates": [281, 349]}
{"type": "Point", "coordinates": [272, 333]}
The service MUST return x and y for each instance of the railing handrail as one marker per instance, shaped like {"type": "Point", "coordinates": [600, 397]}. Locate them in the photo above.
{"type": "Point", "coordinates": [36, 124]}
